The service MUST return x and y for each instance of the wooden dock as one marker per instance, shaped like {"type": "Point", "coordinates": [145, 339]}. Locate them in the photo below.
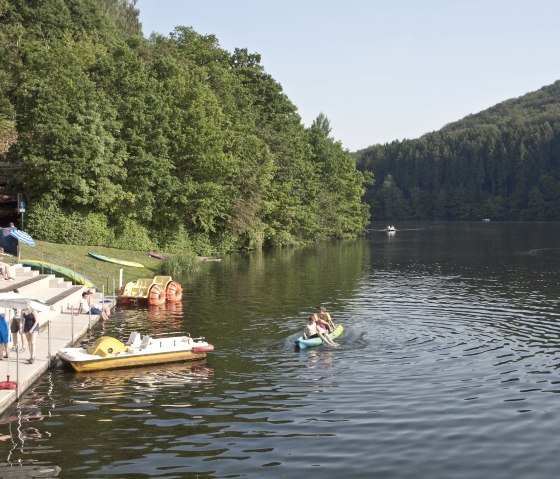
{"type": "Point", "coordinates": [59, 328]}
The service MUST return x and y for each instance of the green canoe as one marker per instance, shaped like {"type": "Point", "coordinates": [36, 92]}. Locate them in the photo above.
{"type": "Point", "coordinates": [60, 271]}
{"type": "Point", "coordinates": [134, 264]}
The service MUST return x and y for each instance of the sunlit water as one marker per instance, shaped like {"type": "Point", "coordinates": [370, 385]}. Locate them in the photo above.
{"type": "Point", "coordinates": [448, 368]}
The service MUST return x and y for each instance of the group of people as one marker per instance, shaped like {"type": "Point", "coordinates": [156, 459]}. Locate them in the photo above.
{"type": "Point", "coordinates": [320, 325]}
{"type": "Point", "coordinates": [25, 324]}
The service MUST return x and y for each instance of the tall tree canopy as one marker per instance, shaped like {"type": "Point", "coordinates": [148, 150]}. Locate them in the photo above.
{"type": "Point", "coordinates": [167, 141]}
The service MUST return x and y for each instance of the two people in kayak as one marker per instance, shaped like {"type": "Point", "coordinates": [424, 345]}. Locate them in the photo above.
{"type": "Point", "coordinates": [320, 325]}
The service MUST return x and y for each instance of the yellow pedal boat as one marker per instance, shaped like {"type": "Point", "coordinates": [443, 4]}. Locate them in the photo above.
{"type": "Point", "coordinates": [154, 291]}
{"type": "Point", "coordinates": [110, 353]}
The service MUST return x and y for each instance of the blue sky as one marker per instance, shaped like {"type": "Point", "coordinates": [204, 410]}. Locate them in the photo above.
{"type": "Point", "coordinates": [383, 70]}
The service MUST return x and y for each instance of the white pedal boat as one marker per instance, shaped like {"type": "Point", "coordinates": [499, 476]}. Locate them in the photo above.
{"type": "Point", "coordinates": [110, 353]}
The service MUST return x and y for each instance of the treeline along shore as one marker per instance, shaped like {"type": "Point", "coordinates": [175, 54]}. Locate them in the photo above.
{"type": "Point", "coordinates": [168, 142]}
{"type": "Point", "coordinates": [173, 143]}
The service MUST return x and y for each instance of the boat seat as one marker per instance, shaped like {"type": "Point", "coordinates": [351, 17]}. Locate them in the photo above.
{"type": "Point", "coordinates": [163, 281]}
{"type": "Point", "coordinates": [145, 342]}
{"type": "Point", "coordinates": [134, 340]}
{"type": "Point", "coordinates": [138, 288]}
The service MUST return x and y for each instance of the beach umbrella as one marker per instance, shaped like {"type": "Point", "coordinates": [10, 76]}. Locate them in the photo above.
{"type": "Point", "coordinates": [19, 301]}
{"type": "Point", "coordinates": [23, 237]}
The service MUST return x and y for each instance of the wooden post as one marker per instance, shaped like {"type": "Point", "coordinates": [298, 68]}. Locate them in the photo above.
{"type": "Point", "coordinates": [49, 344]}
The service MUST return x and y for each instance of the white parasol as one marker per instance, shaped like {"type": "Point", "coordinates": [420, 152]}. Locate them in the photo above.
{"type": "Point", "coordinates": [19, 301]}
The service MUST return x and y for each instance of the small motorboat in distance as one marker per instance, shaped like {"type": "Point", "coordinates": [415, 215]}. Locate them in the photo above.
{"type": "Point", "coordinates": [110, 353]}
{"type": "Point", "coordinates": [390, 228]}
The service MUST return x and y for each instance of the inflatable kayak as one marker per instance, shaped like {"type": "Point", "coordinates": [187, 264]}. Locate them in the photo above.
{"type": "Point", "coordinates": [100, 257]}
{"type": "Point", "coordinates": [303, 343]}
{"type": "Point", "coordinates": [60, 271]}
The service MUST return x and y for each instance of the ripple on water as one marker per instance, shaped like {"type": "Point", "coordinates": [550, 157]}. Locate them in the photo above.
{"type": "Point", "coordinates": [438, 375]}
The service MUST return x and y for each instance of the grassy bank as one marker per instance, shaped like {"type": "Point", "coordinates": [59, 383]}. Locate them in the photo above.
{"type": "Point", "coordinates": [99, 272]}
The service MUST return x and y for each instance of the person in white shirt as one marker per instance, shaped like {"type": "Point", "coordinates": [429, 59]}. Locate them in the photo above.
{"type": "Point", "coordinates": [86, 304]}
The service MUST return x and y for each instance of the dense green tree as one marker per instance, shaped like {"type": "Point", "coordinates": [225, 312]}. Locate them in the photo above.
{"type": "Point", "coordinates": [339, 187]}
{"type": "Point", "coordinates": [65, 134]}
{"type": "Point", "coordinates": [163, 142]}
{"type": "Point", "coordinates": [391, 199]}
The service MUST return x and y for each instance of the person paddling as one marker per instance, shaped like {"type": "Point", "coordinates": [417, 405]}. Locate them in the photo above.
{"type": "Point", "coordinates": [326, 318]}
{"type": "Point", "coordinates": [313, 330]}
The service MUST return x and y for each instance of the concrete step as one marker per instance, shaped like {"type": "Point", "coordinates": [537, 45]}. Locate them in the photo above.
{"type": "Point", "coordinates": [55, 291]}
{"type": "Point", "coordinates": [28, 286]}
{"type": "Point", "coordinates": [22, 283]}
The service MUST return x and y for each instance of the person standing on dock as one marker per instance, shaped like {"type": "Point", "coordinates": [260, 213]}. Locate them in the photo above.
{"type": "Point", "coordinates": [31, 330]}
{"type": "Point", "coordinates": [4, 334]}
{"type": "Point", "coordinates": [16, 330]}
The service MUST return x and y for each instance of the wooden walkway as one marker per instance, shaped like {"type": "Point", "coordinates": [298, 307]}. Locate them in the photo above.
{"type": "Point", "coordinates": [59, 328]}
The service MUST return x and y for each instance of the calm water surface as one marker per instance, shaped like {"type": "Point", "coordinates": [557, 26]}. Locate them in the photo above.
{"type": "Point", "coordinates": [448, 368]}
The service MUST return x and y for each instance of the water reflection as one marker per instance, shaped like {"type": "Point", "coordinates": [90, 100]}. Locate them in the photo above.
{"type": "Point", "coordinates": [152, 377]}
{"type": "Point", "coordinates": [321, 359]}
{"type": "Point", "coordinates": [28, 436]}
{"type": "Point", "coordinates": [126, 389]}
{"type": "Point", "coordinates": [450, 352]}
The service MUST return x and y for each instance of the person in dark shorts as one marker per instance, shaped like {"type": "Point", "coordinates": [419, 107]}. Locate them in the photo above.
{"type": "Point", "coordinates": [17, 331]}
{"type": "Point", "coordinates": [31, 330]}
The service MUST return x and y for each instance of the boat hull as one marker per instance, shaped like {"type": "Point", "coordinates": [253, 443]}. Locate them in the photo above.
{"type": "Point", "coordinates": [303, 343]}
{"type": "Point", "coordinates": [100, 364]}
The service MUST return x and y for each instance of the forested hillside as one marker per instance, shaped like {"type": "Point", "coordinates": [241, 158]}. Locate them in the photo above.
{"type": "Point", "coordinates": [168, 142]}
{"type": "Point", "coordinates": [502, 163]}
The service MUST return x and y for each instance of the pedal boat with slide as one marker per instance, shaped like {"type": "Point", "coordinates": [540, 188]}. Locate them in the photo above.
{"type": "Point", "coordinates": [154, 291]}
{"type": "Point", "coordinates": [303, 343]}
{"type": "Point", "coordinates": [110, 353]}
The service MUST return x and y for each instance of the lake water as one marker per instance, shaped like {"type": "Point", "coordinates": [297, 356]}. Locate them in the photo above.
{"type": "Point", "coordinates": [448, 368]}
